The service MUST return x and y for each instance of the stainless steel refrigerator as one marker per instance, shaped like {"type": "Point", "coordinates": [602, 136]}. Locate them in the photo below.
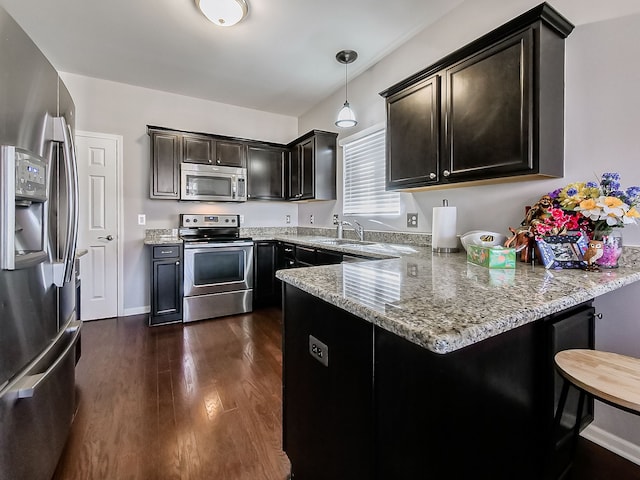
{"type": "Point", "coordinates": [39, 333]}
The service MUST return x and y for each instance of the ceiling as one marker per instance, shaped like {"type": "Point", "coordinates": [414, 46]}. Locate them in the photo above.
{"type": "Point", "coordinates": [280, 59]}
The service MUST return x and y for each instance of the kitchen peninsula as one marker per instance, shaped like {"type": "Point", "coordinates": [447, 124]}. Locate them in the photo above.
{"type": "Point", "coordinates": [425, 366]}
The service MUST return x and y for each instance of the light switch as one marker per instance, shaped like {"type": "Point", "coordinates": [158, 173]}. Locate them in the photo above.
{"type": "Point", "coordinates": [142, 219]}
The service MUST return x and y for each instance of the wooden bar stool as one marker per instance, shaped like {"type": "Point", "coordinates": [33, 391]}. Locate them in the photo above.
{"type": "Point", "coordinates": [609, 377]}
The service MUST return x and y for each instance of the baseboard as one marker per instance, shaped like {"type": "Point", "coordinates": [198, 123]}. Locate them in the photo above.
{"type": "Point", "coordinates": [611, 442]}
{"type": "Point", "coordinates": [136, 310]}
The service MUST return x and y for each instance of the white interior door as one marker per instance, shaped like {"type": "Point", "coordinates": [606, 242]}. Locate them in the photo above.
{"type": "Point", "coordinates": [98, 223]}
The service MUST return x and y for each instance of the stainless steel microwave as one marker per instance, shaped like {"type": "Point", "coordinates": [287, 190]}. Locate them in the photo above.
{"type": "Point", "coordinates": [211, 183]}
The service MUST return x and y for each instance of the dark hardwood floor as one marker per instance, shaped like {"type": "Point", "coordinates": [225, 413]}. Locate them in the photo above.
{"type": "Point", "coordinates": [201, 401]}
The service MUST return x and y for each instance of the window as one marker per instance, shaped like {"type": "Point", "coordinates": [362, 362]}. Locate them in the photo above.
{"type": "Point", "coordinates": [364, 175]}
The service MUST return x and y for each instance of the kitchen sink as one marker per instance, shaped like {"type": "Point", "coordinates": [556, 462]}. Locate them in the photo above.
{"type": "Point", "coordinates": [345, 241]}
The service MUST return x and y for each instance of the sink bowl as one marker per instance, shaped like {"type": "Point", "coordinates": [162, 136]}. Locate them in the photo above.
{"type": "Point", "coordinates": [344, 241]}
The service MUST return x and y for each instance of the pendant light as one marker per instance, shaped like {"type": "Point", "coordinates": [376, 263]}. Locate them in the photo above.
{"type": "Point", "coordinates": [346, 117]}
{"type": "Point", "coordinates": [223, 13]}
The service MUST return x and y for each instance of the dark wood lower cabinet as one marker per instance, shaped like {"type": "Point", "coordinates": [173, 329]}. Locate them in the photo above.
{"type": "Point", "coordinates": [266, 287]}
{"type": "Point", "coordinates": [166, 284]}
{"type": "Point", "coordinates": [385, 408]}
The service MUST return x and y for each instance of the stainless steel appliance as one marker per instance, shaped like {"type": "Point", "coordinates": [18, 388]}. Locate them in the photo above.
{"type": "Point", "coordinates": [218, 267]}
{"type": "Point", "coordinates": [212, 183]}
{"type": "Point", "coordinates": [39, 333]}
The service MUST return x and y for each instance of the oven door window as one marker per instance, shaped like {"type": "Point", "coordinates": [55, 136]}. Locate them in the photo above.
{"type": "Point", "coordinates": [214, 186]}
{"type": "Point", "coordinates": [214, 267]}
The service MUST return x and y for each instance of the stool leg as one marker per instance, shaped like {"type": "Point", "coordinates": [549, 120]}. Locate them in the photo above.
{"type": "Point", "coordinates": [576, 426]}
{"type": "Point", "coordinates": [563, 400]}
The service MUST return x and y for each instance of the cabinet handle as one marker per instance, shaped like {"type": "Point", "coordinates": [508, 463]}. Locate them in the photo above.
{"type": "Point", "coordinates": [432, 176]}
{"type": "Point", "coordinates": [218, 161]}
{"type": "Point", "coordinates": [446, 173]}
{"type": "Point", "coordinates": [177, 263]}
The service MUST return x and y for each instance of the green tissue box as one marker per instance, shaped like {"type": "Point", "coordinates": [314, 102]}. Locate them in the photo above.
{"type": "Point", "coordinates": [492, 257]}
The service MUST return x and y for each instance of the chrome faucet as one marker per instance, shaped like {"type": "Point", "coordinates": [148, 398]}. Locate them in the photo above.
{"type": "Point", "coordinates": [359, 229]}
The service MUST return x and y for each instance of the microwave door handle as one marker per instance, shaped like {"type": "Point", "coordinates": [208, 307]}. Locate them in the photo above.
{"type": "Point", "coordinates": [7, 207]}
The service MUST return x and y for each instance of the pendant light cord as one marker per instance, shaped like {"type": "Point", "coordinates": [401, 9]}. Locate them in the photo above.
{"type": "Point", "coordinates": [346, 91]}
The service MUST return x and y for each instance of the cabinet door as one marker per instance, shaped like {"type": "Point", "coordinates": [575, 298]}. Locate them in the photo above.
{"type": "Point", "coordinates": [294, 191]}
{"type": "Point", "coordinates": [302, 171]}
{"type": "Point", "coordinates": [266, 169]}
{"type": "Point", "coordinates": [489, 112]}
{"type": "Point", "coordinates": [413, 135]}
{"type": "Point", "coordinates": [266, 289]}
{"type": "Point", "coordinates": [165, 165]}
{"type": "Point", "coordinates": [198, 149]}
{"type": "Point", "coordinates": [166, 294]}
{"type": "Point", "coordinates": [307, 162]}
{"type": "Point", "coordinates": [230, 154]}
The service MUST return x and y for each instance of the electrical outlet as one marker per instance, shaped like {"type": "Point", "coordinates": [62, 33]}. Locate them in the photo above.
{"type": "Point", "coordinates": [142, 219]}
{"type": "Point", "coordinates": [412, 220]}
{"type": "Point", "coordinates": [287, 218]}
{"type": "Point", "coordinates": [336, 219]}
{"type": "Point", "coordinates": [311, 219]}
{"type": "Point", "coordinates": [319, 350]}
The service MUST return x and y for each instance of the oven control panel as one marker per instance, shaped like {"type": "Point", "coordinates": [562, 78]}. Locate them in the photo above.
{"type": "Point", "coordinates": [209, 221]}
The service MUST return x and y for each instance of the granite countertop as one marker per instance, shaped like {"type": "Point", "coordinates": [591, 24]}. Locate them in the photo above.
{"type": "Point", "coordinates": [443, 303]}
{"type": "Point", "coordinates": [162, 236]}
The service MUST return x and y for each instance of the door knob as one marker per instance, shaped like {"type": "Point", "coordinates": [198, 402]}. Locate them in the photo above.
{"type": "Point", "coordinates": [108, 237]}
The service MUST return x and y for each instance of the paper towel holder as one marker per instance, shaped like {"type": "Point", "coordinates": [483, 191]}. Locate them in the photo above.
{"type": "Point", "coordinates": [448, 245]}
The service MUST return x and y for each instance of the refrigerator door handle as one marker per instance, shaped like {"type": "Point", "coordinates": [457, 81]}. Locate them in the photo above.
{"type": "Point", "coordinates": [63, 270]}
{"type": "Point", "coordinates": [28, 385]}
{"type": "Point", "coordinates": [7, 207]}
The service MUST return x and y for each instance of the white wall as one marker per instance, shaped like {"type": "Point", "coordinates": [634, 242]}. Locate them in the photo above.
{"type": "Point", "coordinates": [119, 109]}
{"type": "Point", "coordinates": [602, 125]}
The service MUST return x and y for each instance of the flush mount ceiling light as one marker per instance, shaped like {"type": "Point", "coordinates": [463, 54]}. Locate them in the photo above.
{"type": "Point", "coordinates": [224, 13]}
{"type": "Point", "coordinates": [346, 117]}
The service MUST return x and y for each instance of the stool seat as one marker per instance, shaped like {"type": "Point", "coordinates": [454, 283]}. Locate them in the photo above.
{"type": "Point", "coordinates": [608, 376]}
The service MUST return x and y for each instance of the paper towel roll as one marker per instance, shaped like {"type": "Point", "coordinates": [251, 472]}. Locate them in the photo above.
{"type": "Point", "coordinates": [443, 231]}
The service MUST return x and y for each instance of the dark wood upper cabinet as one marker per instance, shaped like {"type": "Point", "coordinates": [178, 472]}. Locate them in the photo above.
{"type": "Point", "coordinates": [312, 167]}
{"type": "Point", "coordinates": [501, 109]}
{"type": "Point", "coordinates": [489, 112]}
{"type": "Point", "coordinates": [231, 154]}
{"type": "Point", "coordinates": [198, 149]}
{"type": "Point", "coordinates": [266, 172]}
{"type": "Point", "coordinates": [166, 155]}
{"type": "Point", "coordinates": [413, 135]}
{"type": "Point", "coordinates": [305, 169]}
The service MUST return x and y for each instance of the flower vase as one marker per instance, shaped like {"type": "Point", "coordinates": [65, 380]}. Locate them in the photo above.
{"type": "Point", "coordinates": [611, 247]}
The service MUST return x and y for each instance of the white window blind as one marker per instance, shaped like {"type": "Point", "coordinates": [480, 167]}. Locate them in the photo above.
{"type": "Point", "coordinates": [364, 177]}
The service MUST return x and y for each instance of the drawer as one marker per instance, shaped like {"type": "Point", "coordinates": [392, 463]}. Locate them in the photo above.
{"type": "Point", "coordinates": [166, 251]}
{"type": "Point", "coordinates": [306, 255]}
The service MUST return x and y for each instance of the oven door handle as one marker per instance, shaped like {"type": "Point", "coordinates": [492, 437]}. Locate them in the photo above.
{"type": "Point", "coordinates": [209, 245]}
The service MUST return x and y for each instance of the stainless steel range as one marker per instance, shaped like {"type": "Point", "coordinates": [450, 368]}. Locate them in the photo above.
{"type": "Point", "coordinates": [218, 267]}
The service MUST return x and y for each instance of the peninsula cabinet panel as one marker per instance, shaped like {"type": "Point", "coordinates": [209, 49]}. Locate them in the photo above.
{"type": "Point", "coordinates": [266, 172]}
{"type": "Point", "coordinates": [489, 112]}
{"type": "Point", "coordinates": [413, 135]}
{"type": "Point", "coordinates": [328, 409]}
{"type": "Point", "coordinates": [166, 155]}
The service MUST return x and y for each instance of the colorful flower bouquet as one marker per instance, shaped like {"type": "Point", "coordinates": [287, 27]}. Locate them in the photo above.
{"type": "Point", "coordinates": [595, 209]}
